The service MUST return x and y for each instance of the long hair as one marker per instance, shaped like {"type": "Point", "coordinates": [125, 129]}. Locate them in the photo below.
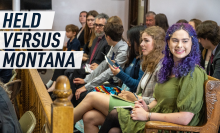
{"type": "Point", "coordinates": [87, 33]}
{"type": "Point", "coordinates": [153, 58]}
{"type": "Point", "coordinates": [133, 36]}
{"type": "Point", "coordinates": [161, 20]}
{"type": "Point", "coordinates": [188, 63]}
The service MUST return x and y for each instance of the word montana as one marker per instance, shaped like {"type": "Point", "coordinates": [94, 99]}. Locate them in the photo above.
{"type": "Point", "coordinates": [45, 59]}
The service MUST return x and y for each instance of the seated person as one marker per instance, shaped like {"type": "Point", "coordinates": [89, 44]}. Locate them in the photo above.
{"type": "Point", "coordinates": [209, 36]}
{"type": "Point", "coordinates": [96, 56]}
{"type": "Point", "coordinates": [89, 34]}
{"type": "Point", "coordinates": [72, 45]}
{"type": "Point", "coordinates": [132, 73]}
{"type": "Point", "coordinates": [8, 119]}
{"type": "Point", "coordinates": [95, 107]}
{"type": "Point", "coordinates": [118, 52]}
{"type": "Point", "coordinates": [80, 35]}
{"type": "Point", "coordinates": [88, 38]}
{"type": "Point", "coordinates": [179, 94]}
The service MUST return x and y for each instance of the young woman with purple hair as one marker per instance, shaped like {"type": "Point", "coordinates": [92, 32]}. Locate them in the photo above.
{"type": "Point", "coordinates": [179, 92]}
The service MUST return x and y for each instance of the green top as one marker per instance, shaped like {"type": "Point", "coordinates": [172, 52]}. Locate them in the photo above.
{"type": "Point", "coordinates": [184, 94]}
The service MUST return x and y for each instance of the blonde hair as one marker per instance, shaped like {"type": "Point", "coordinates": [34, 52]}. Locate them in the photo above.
{"type": "Point", "coordinates": [91, 38]}
{"type": "Point", "coordinates": [153, 58]}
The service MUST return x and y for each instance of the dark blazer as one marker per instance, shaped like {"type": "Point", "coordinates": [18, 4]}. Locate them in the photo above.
{"type": "Point", "coordinates": [81, 38]}
{"type": "Point", "coordinates": [86, 48]}
{"type": "Point", "coordinates": [8, 119]}
{"type": "Point", "coordinates": [214, 68]}
{"type": "Point", "coordinates": [5, 75]}
{"type": "Point", "coordinates": [203, 57]}
{"type": "Point", "coordinates": [102, 47]}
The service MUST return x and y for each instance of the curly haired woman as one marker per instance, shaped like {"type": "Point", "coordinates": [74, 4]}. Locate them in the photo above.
{"type": "Point", "coordinates": [179, 94]}
{"type": "Point", "coordinates": [96, 106]}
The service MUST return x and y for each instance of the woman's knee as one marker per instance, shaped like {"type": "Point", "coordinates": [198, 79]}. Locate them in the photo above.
{"type": "Point", "coordinates": [115, 130]}
{"type": "Point", "coordinates": [91, 95]}
{"type": "Point", "coordinates": [89, 117]}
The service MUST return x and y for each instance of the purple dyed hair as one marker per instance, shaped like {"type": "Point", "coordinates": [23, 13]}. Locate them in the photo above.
{"type": "Point", "coordinates": [188, 63]}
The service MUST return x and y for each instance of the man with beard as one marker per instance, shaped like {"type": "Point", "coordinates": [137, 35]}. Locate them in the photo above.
{"type": "Point", "coordinates": [118, 53]}
{"type": "Point", "coordinates": [99, 46]}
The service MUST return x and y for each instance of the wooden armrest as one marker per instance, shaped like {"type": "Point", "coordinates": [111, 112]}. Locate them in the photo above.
{"type": "Point", "coordinates": [170, 126]}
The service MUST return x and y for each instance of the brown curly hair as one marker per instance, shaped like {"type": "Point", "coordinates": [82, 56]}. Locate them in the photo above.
{"type": "Point", "coordinates": [150, 61]}
{"type": "Point", "coordinates": [210, 30]}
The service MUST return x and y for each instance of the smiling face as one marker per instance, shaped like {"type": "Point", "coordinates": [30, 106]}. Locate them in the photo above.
{"type": "Point", "coordinates": [180, 45]}
{"type": "Point", "coordinates": [147, 44]}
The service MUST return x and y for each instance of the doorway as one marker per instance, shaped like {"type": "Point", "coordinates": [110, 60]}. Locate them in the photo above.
{"type": "Point", "coordinates": [137, 11]}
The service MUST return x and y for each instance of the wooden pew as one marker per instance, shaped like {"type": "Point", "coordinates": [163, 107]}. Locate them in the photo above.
{"type": "Point", "coordinates": [212, 99]}
{"type": "Point", "coordinates": [55, 116]}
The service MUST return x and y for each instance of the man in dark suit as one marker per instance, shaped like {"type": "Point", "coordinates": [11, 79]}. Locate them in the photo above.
{"type": "Point", "coordinates": [209, 36]}
{"type": "Point", "coordinates": [95, 55]}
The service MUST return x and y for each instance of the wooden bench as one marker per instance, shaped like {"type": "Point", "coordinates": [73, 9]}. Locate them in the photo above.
{"type": "Point", "coordinates": [212, 98]}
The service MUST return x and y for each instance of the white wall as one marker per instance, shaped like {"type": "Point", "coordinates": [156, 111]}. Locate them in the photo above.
{"type": "Point", "coordinates": [67, 11]}
{"type": "Point", "coordinates": [187, 9]}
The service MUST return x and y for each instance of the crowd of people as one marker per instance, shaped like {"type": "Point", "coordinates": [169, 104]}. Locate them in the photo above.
{"type": "Point", "coordinates": [159, 72]}
{"type": "Point", "coordinates": [159, 75]}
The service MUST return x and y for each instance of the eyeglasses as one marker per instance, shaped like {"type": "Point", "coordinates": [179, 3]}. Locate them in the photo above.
{"type": "Point", "coordinates": [98, 25]}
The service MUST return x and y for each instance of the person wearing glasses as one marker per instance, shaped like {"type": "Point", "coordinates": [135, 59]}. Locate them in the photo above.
{"type": "Point", "coordinates": [118, 53]}
{"type": "Point", "coordinates": [179, 93]}
{"type": "Point", "coordinates": [95, 56]}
